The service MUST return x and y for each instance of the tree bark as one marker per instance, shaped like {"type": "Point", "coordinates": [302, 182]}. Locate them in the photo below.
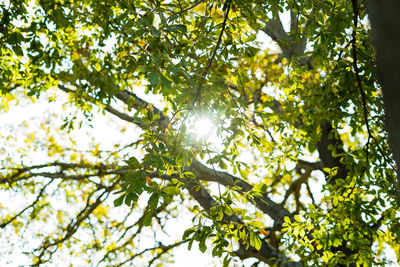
{"type": "Point", "coordinates": [385, 21]}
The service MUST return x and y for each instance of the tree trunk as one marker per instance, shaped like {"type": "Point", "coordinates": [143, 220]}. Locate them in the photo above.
{"type": "Point", "coordinates": [385, 21]}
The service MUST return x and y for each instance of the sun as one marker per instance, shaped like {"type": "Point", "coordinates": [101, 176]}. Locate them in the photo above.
{"type": "Point", "coordinates": [203, 127]}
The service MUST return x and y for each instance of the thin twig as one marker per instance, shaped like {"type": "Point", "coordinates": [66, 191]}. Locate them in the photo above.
{"type": "Point", "coordinates": [186, 9]}
{"type": "Point", "coordinates": [357, 74]}
{"type": "Point", "coordinates": [198, 91]}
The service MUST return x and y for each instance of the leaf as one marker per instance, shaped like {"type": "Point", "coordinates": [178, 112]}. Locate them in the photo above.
{"type": "Point", "coordinates": [169, 161]}
{"type": "Point", "coordinates": [165, 83]}
{"type": "Point", "coordinates": [243, 172]}
{"type": "Point", "coordinates": [227, 260]}
{"type": "Point", "coordinates": [215, 252]}
{"type": "Point", "coordinates": [154, 78]}
{"type": "Point", "coordinates": [222, 165]}
{"type": "Point", "coordinates": [171, 190]}
{"type": "Point", "coordinates": [190, 244]}
{"type": "Point", "coordinates": [188, 232]}
{"type": "Point", "coordinates": [257, 243]}
{"type": "Point", "coordinates": [18, 50]}
{"type": "Point", "coordinates": [327, 170]}
{"type": "Point", "coordinates": [133, 162]}
{"type": "Point", "coordinates": [131, 198]}
{"type": "Point", "coordinates": [118, 202]}
{"type": "Point", "coordinates": [153, 201]}
{"type": "Point", "coordinates": [220, 215]}
{"type": "Point", "coordinates": [189, 175]}
{"type": "Point", "coordinates": [147, 219]}
{"type": "Point", "coordinates": [335, 201]}
{"type": "Point", "coordinates": [251, 38]}
{"type": "Point", "coordinates": [202, 246]}
{"type": "Point", "coordinates": [180, 28]}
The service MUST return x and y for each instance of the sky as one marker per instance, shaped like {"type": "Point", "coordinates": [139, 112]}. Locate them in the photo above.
{"type": "Point", "coordinates": [101, 128]}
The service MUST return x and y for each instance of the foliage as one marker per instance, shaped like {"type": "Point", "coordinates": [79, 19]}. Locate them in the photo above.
{"type": "Point", "coordinates": [297, 173]}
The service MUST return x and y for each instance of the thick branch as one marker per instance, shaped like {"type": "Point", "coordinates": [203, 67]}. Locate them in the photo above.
{"type": "Point", "coordinates": [274, 210]}
{"type": "Point", "coordinates": [275, 30]}
{"type": "Point", "coordinates": [292, 45]}
{"type": "Point", "coordinates": [267, 253]}
{"type": "Point", "coordinates": [329, 139]}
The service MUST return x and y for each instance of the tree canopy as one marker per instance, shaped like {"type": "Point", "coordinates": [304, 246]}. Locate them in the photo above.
{"type": "Point", "coordinates": [291, 165]}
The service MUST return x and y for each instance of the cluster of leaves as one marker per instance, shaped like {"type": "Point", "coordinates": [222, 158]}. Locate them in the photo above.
{"type": "Point", "coordinates": [299, 172]}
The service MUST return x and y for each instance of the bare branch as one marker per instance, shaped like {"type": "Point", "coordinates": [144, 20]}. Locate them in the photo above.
{"type": "Point", "coordinates": [129, 240]}
{"type": "Point", "coordinates": [51, 246]}
{"type": "Point", "coordinates": [164, 249]}
{"type": "Point", "coordinates": [26, 172]}
{"type": "Point", "coordinates": [186, 9]}
{"type": "Point", "coordinates": [41, 192]}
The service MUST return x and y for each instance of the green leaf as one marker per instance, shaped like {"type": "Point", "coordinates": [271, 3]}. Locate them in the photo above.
{"type": "Point", "coordinates": [189, 175]}
{"type": "Point", "coordinates": [226, 261]}
{"type": "Point", "coordinates": [251, 38]}
{"type": "Point", "coordinates": [154, 78]}
{"type": "Point", "coordinates": [255, 241]}
{"type": "Point", "coordinates": [171, 190]}
{"type": "Point", "coordinates": [153, 201]}
{"type": "Point", "coordinates": [18, 50]}
{"type": "Point", "coordinates": [133, 162]}
{"type": "Point", "coordinates": [222, 165]}
{"type": "Point", "coordinates": [169, 161]}
{"type": "Point", "coordinates": [118, 202]}
{"type": "Point", "coordinates": [190, 244]}
{"type": "Point", "coordinates": [188, 232]}
{"type": "Point", "coordinates": [179, 28]}
{"type": "Point", "coordinates": [131, 198]}
{"type": "Point", "coordinates": [202, 246]}
{"type": "Point", "coordinates": [335, 201]}
{"type": "Point", "coordinates": [147, 219]}
{"type": "Point", "coordinates": [165, 83]}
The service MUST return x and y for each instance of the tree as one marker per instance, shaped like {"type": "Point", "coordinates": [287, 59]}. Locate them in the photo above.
{"type": "Point", "coordinates": [300, 172]}
{"type": "Point", "coordinates": [386, 37]}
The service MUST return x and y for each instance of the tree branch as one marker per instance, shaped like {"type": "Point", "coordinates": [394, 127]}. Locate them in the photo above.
{"type": "Point", "coordinates": [264, 203]}
{"type": "Point", "coordinates": [41, 192]}
{"type": "Point", "coordinates": [198, 90]}
{"type": "Point", "coordinates": [267, 253]}
{"type": "Point", "coordinates": [72, 227]}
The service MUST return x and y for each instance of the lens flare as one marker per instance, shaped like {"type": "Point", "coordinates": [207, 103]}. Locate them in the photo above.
{"type": "Point", "coordinates": [203, 127]}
